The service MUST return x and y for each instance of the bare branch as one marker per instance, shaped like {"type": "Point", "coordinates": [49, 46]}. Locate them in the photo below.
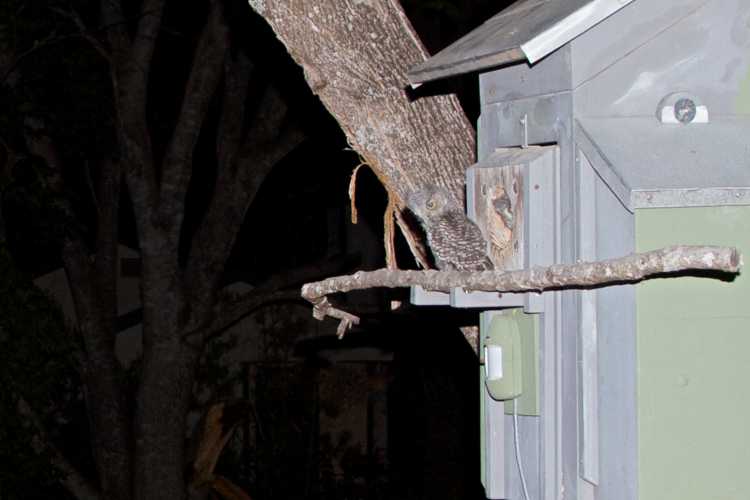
{"type": "Point", "coordinates": [145, 37]}
{"type": "Point", "coordinates": [205, 75]}
{"type": "Point", "coordinates": [50, 40]}
{"type": "Point", "coordinates": [229, 133]}
{"type": "Point", "coordinates": [72, 480]}
{"type": "Point", "coordinates": [93, 287]}
{"type": "Point", "coordinates": [129, 74]}
{"type": "Point", "coordinates": [107, 260]}
{"type": "Point", "coordinates": [236, 187]}
{"type": "Point", "coordinates": [113, 20]}
{"type": "Point", "coordinates": [408, 143]}
{"type": "Point", "coordinates": [231, 311]}
{"type": "Point", "coordinates": [629, 269]}
{"type": "Point", "coordinates": [83, 31]}
{"type": "Point", "coordinates": [101, 376]}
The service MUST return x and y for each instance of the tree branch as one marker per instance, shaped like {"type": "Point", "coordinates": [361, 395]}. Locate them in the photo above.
{"type": "Point", "coordinates": [101, 376]}
{"type": "Point", "coordinates": [129, 74]}
{"type": "Point", "coordinates": [7, 70]}
{"type": "Point", "coordinates": [229, 133]}
{"type": "Point", "coordinates": [409, 143]}
{"type": "Point", "coordinates": [83, 31]}
{"type": "Point", "coordinates": [629, 269]}
{"type": "Point", "coordinates": [114, 24]}
{"type": "Point", "coordinates": [94, 289]}
{"type": "Point", "coordinates": [204, 78]}
{"type": "Point", "coordinates": [232, 310]}
{"type": "Point", "coordinates": [236, 187]}
{"type": "Point", "coordinates": [145, 38]}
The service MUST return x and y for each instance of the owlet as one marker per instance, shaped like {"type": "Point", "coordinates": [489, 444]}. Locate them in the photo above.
{"type": "Point", "coordinates": [456, 242]}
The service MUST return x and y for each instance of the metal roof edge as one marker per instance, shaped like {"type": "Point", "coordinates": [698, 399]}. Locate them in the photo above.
{"type": "Point", "coordinates": [425, 72]}
{"type": "Point", "coordinates": [570, 27]}
{"type": "Point", "coordinates": [603, 166]}
{"type": "Point", "coordinates": [532, 48]}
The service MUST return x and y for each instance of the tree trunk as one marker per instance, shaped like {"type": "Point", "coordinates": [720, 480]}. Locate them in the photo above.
{"type": "Point", "coordinates": [355, 55]}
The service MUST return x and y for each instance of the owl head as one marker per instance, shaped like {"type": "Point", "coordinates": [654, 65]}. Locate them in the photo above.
{"type": "Point", "coordinates": [429, 203]}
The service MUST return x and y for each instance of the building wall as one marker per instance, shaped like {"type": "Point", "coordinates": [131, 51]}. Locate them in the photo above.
{"type": "Point", "coordinates": [693, 359]}
{"type": "Point", "coordinates": [665, 46]}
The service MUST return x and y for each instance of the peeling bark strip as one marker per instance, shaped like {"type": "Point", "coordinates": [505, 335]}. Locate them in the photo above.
{"type": "Point", "coordinates": [355, 55]}
{"type": "Point", "coordinates": [629, 269]}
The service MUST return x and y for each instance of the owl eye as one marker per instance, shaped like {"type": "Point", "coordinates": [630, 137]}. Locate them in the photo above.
{"type": "Point", "coordinates": [431, 204]}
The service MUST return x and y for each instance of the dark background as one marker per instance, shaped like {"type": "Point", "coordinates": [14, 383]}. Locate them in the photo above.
{"type": "Point", "coordinates": [410, 370]}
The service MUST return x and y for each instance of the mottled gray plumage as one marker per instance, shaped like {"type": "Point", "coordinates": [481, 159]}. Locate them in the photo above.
{"type": "Point", "coordinates": [504, 209]}
{"type": "Point", "coordinates": [456, 242]}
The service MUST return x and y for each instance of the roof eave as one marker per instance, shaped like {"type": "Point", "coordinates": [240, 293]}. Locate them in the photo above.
{"type": "Point", "coordinates": [536, 47]}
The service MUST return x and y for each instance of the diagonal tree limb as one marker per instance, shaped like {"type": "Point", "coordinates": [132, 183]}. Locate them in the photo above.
{"type": "Point", "coordinates": [229, 133]}
{"type": "Point", "coordinates": [362, 86]}
{"type": "Point", "coordinates": [409, 143]}
{"type": "Point", "coordinates": [105, 400]}
{"type": "Point", "coordinates": [204, 78]}
{"type": "Point", "coordinates": [92, 279]}
{"type": "Point", "coordinates": [629, 269]}
{"type": "Point", "coordinates": [115, 27]}
{"type": "Point", "coordinates": [144, 42]}
{"type": "Point", "coordinates": [266, 143]}
{"type": "Point", "coordinates": [232, 308]}
{"type": "Point", "coordinates": [129, 70]}
{"type": "Point", "coordinates": [83, 30]}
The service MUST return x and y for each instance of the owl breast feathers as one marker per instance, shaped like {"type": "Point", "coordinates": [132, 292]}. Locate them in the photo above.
{"type": "Point", "coordinates": [456, 242]}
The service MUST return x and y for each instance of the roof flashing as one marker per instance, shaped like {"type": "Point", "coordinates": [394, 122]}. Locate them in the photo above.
{"type": "Point", "coordinates": [528, 30]}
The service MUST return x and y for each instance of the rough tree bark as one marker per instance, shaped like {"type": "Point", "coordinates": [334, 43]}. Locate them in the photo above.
{"type": "Point", "coordinates": [140, 451]}
{"type": "Point", "coordinates": [355, 55]}
{"type": "Point", "coordinates": [93, 288]}
{"type": "Point", "coordinates": [179, 300]}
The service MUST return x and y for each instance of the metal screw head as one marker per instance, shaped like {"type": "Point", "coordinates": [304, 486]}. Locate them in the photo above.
{"type": "Point", "coordinates": [684, 110]}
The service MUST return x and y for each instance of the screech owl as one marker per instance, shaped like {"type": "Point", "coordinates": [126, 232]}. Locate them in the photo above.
{"type": "Point", "coordinates": [456, 242]}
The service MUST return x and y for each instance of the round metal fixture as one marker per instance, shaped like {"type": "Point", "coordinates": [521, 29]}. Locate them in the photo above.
{"type": "Point", "coordinates": [684, 110]}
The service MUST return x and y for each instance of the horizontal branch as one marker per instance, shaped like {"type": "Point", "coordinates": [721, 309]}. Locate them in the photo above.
{"type": "Point", "coordinates": [230, 312]}
{"type": "Point", "coordinates": [629, 269]}
{"type": "Point", "coordinates": [231, 308]}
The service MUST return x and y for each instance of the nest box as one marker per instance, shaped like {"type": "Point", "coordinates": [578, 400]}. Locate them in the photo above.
{"type": "Point", "coordinates": [608, 127]}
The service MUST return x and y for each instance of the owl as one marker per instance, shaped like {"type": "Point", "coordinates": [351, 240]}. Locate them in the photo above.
{"type": "Point", "coordinates": [456, 242]}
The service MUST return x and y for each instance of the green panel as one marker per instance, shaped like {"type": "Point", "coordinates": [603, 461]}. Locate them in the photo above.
{"type": "Point", "coordinates": [693, 359]}
{"type": "Point", "coordinates": [504, 336]}
{"type": "Point", "coordinates": [743, 97]}
{"type": "Point", "coordinates": [482, 390]}
{"type": "Point", "coordinates": [528, 403]}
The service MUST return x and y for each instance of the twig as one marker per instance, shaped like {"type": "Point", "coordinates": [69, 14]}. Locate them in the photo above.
{"type": "Point", "coordinates": [83, 30]}
{"type": "Point", "coordinates": [629, 269]}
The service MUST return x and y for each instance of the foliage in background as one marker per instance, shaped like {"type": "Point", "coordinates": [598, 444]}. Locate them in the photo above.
{"type": "Point", "coordinates": [36, 361]}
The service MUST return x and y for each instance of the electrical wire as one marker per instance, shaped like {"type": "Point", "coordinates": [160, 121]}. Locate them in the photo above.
{"type": "Point", "coordinates": [518, 450]}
